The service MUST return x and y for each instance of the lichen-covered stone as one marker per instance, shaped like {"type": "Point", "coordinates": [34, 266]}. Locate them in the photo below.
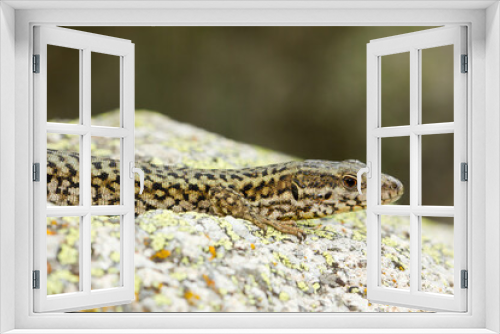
{"type": "Point", "coordinates": [195, 262]}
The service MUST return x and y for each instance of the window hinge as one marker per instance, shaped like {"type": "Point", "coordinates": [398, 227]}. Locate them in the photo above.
{"type": "Point", "coordinates": [36, 279]}
{"type": "Point", "coordinates": [464, 171]}
{"type": "Point", "coordinates": [36, 172]}
{"type": "Point", "coordinates": [465, 279]}
{"type": "Point", "coordinates": [36, 63]}
{"type": "Point", "coordinates": [465, 64]}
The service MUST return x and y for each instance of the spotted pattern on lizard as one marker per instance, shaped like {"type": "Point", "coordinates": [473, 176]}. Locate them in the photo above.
{"type": "Point", "coordinates": [274, 195]}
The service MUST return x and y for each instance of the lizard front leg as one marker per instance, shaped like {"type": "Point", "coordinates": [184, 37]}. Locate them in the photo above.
{"type": "Point", "coordinates": [226, 201]}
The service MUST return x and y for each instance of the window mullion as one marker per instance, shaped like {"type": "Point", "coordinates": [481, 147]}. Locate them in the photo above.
{"type": "Point", "coordinates": [373, 156]}
{"type": "Point", "coordinates": [86, 164]}
{"type": "Point", "coordinates": [85, 274]}
{"type": "Point", "coordinates": [415, 169]}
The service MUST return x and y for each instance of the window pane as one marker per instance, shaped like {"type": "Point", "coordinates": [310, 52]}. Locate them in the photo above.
{"type": "Point", "coordinates": [105, 171]}
{"type": "Point", "coordinates": [105, 89]}
{"type": "Point", "coordinates": [63, 169]}
{"type": "Point", "coordinates": [437, 169]}
{"type": "Point", "coordinates": [396, 164]}
{"type": "Point", "coordinates": [63, 255]}
{"type": "Point", "coordinates": [437, 255]}
{"type": "Point", "coordinates": [437, 84]}
{"type": "Point", "coordinates": [105, 260]}
{"type": "Point", "coordinates": [395, 81]}
{"type": "Point", "coordinates": [395, 252]}
{"type": "Point", "coordinates": [63, 84]}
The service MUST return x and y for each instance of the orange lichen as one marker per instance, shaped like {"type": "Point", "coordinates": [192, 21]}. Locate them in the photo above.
{"type": "Point", "coordinates": [212, 251]}
{"type": "Point", "coordinates": [210, 282]}
{"type": "Point", "coordinates": [252, 246]}
{"type": "Point", "coordinates": [49, 232]}
{"type": "Point", "coordinates": [191, 297]}
{"type": "Point", "coordinates": [49, 268]}
{"type": "Point", "coordinates": [160, 255]}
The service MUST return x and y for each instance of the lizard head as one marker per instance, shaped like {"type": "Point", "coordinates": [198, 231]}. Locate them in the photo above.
{"type": "Point", "coordinates": [332, 187]}
{"type": "Point", "coordinates": [391, 188]}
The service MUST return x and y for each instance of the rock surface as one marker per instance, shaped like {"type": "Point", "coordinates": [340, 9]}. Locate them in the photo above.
{"type": "Point", "coordinates": [200, 263]}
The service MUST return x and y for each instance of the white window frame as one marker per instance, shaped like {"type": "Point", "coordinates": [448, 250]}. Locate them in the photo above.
{"type": "Point", "coordinates": [85, 43]}
{"type": "Point", "coordinates": [16, 21]}
{"type": "Point", "coordinates": [414, 43]}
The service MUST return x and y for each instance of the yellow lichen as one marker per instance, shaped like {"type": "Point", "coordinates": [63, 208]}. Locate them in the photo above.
{"type": "Point", "coordinates": [284, 296]}
{"type": "Point", "coordinates": [149, 228]}
{"type": "Point", "coordinates": [158, 241]}
{"type": "Point", "coordinates": [302, 286]}
{"type": "Point", "coordinates": [161, 300]}
{"type": "Point", "coordinates": [224, 242]}
{"type": "Point", "coordinates": [266, 279]}
{"type": "Point", "coordinates": [389, 242]}
{"type": "Point", "coordinates": [67, 255]}
{"type": "Point", "coordinates": [328, 257]}
{"type": "Point", "coordinates": [115, 257]}
{"type": "Point", "coordinates": [73, 236]}
{"type": "Point", "coordinates": [180, 276]}
{"type": "Point", "coordinates": [137, 284]}
{"type": "Point", "coordinates": [97, 272]}
{"type": "Point", "coordinates": [55, 281]}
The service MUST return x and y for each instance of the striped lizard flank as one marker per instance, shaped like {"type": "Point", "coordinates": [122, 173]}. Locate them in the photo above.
{"type": "Point", "coordinates": [273, 195]}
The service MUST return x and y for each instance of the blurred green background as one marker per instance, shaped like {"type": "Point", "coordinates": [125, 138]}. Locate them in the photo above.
{"type": "Point", "coordinates": [299, 90]}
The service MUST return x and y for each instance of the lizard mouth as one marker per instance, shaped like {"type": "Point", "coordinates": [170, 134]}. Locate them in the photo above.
{"type": "Point", "coordinates": [392, 190]}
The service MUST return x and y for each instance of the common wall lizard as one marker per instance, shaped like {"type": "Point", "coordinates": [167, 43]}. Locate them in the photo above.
{"type": "Point", "coordinates": [273, 195]}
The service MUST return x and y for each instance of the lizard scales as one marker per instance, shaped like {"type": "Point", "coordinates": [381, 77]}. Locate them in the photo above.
{"type": "Point", "coordinates": [273, 195]}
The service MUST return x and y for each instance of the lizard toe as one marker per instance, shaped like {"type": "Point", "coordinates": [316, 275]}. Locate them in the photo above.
{"type": "Point", "coordinates": [301, 235]}
{"type": "Point", "coordinates": [292, 223]}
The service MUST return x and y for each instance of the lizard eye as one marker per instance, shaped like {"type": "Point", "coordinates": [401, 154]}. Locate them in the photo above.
{"type": "Point", "coordinates": [349, 182]}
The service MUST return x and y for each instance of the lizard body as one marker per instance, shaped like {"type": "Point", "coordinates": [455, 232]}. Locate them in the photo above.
{"type": "Point", "coordinates": [273, 195]}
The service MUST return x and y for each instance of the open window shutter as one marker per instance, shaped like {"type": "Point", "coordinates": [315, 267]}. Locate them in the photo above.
{"type": "Point", "coordinates": [80, 223]}
{"type": "Point", "coordinates": [415, 43]}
